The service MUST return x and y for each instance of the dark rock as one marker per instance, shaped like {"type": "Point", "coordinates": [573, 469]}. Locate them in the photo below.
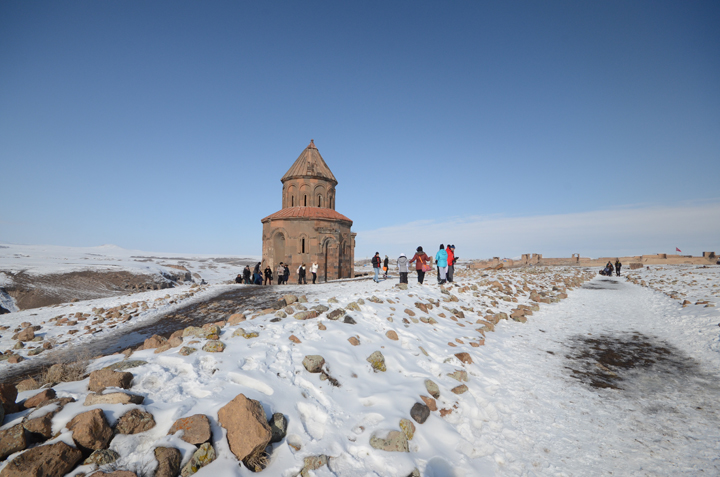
{"type": "Point", "coordinates": [278, 426]}
{"type": "Point", "coordinates": [419, 412]}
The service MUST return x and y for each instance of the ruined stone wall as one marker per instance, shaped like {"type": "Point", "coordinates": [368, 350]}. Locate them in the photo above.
{"type": "Point", "coordinates": [538, 260]}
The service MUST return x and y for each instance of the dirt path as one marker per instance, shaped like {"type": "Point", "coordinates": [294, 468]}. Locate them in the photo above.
{"type": "Point", "coordinates": [213, 309]}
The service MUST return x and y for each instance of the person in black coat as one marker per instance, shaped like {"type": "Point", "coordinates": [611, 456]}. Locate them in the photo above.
{"type": "Point", "coordinates": [286, 275]}
{"type": "Point", "coordinates": [302, 272]}
{"type": "Point", "coordinates": [268, 275]}
{"type": "Point", "coordinates": [618, 265]}
{"type": "Point", "coordinates": [246, 275]}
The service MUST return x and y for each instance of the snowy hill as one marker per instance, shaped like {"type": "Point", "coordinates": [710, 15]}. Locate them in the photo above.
{"type": "Point", "coordinates": [372, 379]}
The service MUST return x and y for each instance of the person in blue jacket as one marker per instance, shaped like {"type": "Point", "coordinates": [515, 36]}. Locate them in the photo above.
{"type": "Point", "coordinates": [442, 265]}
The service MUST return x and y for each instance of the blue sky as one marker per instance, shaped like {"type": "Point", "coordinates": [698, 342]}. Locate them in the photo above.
{"type": "Point", "coordinates": [505, 127]}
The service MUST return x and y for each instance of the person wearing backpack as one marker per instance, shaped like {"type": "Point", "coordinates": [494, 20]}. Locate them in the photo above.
{"type": "Point", "coordinates": [441, 261]}
{"type": "Point", "coordinates": [421, 264]}
{"type": "Point", "coordinates": [376, 261]}
{"type": "Point", "coordinates": [402, 264]}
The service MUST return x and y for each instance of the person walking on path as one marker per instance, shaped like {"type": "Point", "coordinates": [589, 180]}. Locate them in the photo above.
{"type": "Point", "coordinates": [376, 266]}
{"type": "Point", "coordinates": [386, 267]}
{"type": "Point", "coordinates": [301, 275]}
{"type": "Point", "coordinates": [246, 275]}
{"type": "Point", "coordinates": [618, 265]}
{"type": "Point", "coordinates": [402, 264]}
{"type": "Point", "coordinates": [450, 263]}
{"type": "Point", "coordinates": [313, 270]}
{"type": "Point", "coordinates": [286, 274]}
{"type": "Point", "coordinates": [441, 261]}
{"type": "Point", "coordinates": [268, 275]}
{"type": "Point", "coordinates": [421, 264]}
{"type": "Point", "coordinates": [280, 272]}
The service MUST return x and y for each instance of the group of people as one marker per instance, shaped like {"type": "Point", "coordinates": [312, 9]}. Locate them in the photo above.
{"type": "Point", "coordinates": [608, 270]}
{"type": "Point", "coordinates": [282, 272]}
{"type": "Point", "coordinates": [445, 260]}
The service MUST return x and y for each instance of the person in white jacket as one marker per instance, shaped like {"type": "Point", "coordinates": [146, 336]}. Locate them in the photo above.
{"type": "Point", "coordinates": [402, 264]}
{"type": "Point", "coordinates": [313, 270]}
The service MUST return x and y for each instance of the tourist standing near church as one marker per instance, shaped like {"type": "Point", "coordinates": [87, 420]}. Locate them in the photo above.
{"type": "Point", "coordinates": [376, 260]}
{"type": "Point", "coordinates": [402, 264]}
{"type": "Point", "coordinates": [617, 267]}
{"type": "Point", "coordinates": [313, 270]}
{"type": "Point", "coordinates": [280, 272]}
{"type": "Point", "coordinates": [286, 275]}
{"type": "Point", "coordinates": [450, 262]}
{"type": "Point", "coordinates": [301, 275]}
{"type": "Point", "coordinates": [246, 275]}
{"type": "Point", "coordinates": [421, 264]}
{"type": "Point", "coordinates": [441, 260]}
{"type": "Point", "coordinates": [268, 275]}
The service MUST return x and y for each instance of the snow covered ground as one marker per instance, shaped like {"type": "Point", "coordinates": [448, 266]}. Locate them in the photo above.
{"type": "Point", "coordinates": [616, 379]}
{"type": "Point", "coordinates": [56, 274]}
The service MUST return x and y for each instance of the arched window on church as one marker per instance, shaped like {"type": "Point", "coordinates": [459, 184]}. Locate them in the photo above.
{"type": "Point", "coordinates": [303, 245]}
{"type": "Point", "coordinates": [319, 201]}
{"type": "Point", "coordinates": [305, 201]}
{"type": "Point", "coordinates": [292, 201]}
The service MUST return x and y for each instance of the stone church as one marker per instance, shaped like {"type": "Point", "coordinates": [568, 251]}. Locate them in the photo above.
{"type": "Point", "coordinates": [307, 229]}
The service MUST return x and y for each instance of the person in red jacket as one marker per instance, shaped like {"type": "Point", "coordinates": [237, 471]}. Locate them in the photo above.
{"type": "Point", "coordinates": [451, 262]}
{"type": "Point", "coordinates": [421, 259]}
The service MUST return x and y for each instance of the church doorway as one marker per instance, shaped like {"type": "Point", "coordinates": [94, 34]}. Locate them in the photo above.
{"type": "Point", "coordinates": [279, 249]}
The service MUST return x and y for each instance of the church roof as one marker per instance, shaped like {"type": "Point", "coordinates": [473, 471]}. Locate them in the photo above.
{"type": "Point", "coordinates": [306, 213]}
{"type": "Point", "coordinates": [309, 164]}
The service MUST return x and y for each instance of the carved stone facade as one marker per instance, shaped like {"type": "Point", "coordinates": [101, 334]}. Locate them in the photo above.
{"type": "Point", "coordinates": [308, 229]}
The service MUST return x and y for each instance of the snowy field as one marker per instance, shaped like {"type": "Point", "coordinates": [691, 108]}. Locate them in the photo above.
{"type": "Point", "coordinates": [616, 379]}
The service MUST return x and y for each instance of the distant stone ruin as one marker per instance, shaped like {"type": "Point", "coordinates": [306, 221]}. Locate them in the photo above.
{"type": "Point", "coordinates": [637, 261]}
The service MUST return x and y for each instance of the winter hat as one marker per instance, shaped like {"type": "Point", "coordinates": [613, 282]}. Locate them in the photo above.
{"type": "Point", "coordinates": [402, 255]}
{"type": "Point", "coordinates": [419, 249]}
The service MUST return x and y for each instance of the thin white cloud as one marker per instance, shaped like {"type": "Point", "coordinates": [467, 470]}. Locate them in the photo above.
{"type": "Point", "coordinates": [693, 228]}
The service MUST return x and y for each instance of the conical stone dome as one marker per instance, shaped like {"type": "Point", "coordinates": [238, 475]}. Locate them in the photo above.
{"type": "Point", "coordinates": [310, 164]}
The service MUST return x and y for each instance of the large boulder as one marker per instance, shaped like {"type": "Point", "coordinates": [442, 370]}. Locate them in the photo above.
{"type": "Point", "coordinates": [91, 430]}
{"type": "Point", "coordinates": [248, 432]}
{"type": "Point", "coordinates": [106, 378]}
{"type": "Point", "coordinates": [169, 460]}
{"type": "Point", "coordinates": [196, 429]}
{"type": "Point", "coordinates": [39, 398]}
{"type": "Point", "coordinates": [134, 422]}
{"type": "Point", "coordinates": [8, 395]}
{"type": "Point", "coordinates": [28, 334]}
{"type": "Point", "coordinates": [44, 461]}
{"type": "Point", "coordinates": [12, 440]}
